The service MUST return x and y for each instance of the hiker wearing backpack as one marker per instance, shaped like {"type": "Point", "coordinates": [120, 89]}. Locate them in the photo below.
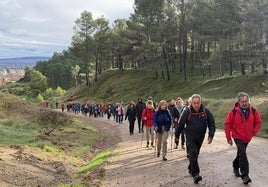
{"type": "Point", "coordinates": [176, 115]}
{"type": "Point", "coordinates": [242, 123]}
{"type": "Point", "coordinates": [197, 119]}
{"type": "Point", "coordinates": [162, 122]}
{"type": "Point", "coordinates": [147, 117]}
{"type": "Point", "coordinates": [140, 106]}
{"type": "Point", "coordinates": [131, 116]}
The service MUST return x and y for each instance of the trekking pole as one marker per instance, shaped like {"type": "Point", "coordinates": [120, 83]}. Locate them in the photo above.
{"type": "Point", "coordinates": [171, 138]}
{"type": "Point", "coordinates": [142, 137]}
{"type": "Point", "coordinates": [155, 142]}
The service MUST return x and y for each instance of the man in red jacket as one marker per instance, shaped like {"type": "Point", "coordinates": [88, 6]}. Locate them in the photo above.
{"type": "Point", "coordinates": [242, 123]}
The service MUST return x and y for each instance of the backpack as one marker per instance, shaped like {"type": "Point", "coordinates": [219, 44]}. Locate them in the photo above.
{"type": "Point", "coordinates": [203, 113]}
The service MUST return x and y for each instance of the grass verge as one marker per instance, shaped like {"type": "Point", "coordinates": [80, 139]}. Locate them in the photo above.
{"type": "Point", "coordinates": [94, 163]}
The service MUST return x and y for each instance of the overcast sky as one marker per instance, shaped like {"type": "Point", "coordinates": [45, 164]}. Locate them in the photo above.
{"type": "Point", "coordinates": [41, 27]}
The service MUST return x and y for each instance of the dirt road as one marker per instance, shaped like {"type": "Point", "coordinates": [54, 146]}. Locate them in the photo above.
{"type": "Point", "coordinates": [134, 165]}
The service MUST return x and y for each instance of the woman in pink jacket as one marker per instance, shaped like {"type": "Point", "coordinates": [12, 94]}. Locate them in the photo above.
{"type": "Point", "coordinates": [147, 117]}
{"type": "Point", "coordinates": [242, 123]}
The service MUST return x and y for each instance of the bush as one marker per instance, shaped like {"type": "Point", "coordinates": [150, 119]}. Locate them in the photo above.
{"type": "Point", "coordinates": [40, 98]}
{"type": "Point", "coordinates": [59, 92]}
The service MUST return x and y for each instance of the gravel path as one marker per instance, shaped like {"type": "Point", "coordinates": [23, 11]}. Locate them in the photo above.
{"type": "Point", "coordinates": [134, 165]}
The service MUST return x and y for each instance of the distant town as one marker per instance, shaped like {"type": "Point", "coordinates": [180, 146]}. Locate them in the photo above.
{"type": "Point", "coordinates": [12, 69]}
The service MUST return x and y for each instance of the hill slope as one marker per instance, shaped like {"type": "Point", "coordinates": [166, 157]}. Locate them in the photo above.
{"type": "Point", "coordinates": [127, 85]}
{"type": "Point", "coordinates": [219, 93]}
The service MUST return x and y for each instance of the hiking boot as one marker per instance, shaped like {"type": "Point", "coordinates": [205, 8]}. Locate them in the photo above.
{"type": "Point", "coordinates": [164, 158]}
{"type": "Point", "coordinates": [152, 144]}
{"type": "Point", "coordinates": [237, 173]}
{"type": "Point", "coordinates": [158, 154]}
{"type": "Point", "coordinates": [197, 178]}
{"type": "Point", "coordinates": [182, 146]}
{"type": "Point", "coordinates": [147, 144]}
{"type": "Point", "coordinates": [246, 179]}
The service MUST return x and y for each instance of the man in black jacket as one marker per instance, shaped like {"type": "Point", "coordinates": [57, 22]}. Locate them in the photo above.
{"type": "Point", "coordinates": [139, 108]}
{"type": "Point", "coordinates": [197, 119]}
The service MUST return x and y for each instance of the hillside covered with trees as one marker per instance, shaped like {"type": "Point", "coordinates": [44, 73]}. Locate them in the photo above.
{"type": "Point", "coordinates": [172, 37]}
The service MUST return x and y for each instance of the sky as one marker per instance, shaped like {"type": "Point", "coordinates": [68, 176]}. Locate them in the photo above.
{"type": "Point", "coordinates": [38, 28]}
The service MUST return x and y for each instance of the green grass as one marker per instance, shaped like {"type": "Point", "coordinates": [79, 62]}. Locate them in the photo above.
{"type": "Point", "coordinates": [14, 132]}
{"type": "Point", "coordinates": [94, 163]}
{"type": "Point", "coordinates": [79, 141]}
{"type": "Point", "coordinates": [218, 92]}
{"type": "Point", "coordinates": [128, 85]}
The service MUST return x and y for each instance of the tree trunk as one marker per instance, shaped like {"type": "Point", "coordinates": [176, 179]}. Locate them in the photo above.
{"type": "Point", "coordinates": [180, 56]}
{"type": "Point", "coordinates": [231, 66]}
{"type": "Point", "coordinates": [184, 39]}
{"type": "Point", "coordinates": [192, 54]}
{"type": "Point", "coordinates": [166, 60]}
{"type": "Point", "coordinates": [97, 64]}
{"type": "Point", "coordinates": [87, 78]}
{"type": "Point", "coordinates": [120, 61]}
{"type": "Point", "coordinates": [243, 72]}
{"type": "Point", "coordinates": [184, 55]}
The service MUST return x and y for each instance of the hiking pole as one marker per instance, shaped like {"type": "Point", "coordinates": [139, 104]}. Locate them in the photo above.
{"type": "Point", "coordinates": [171, 138]}
{"type": "Point", "coordinates": [142, 137]}
{"type": "Point", "coordinates": [155, 142]}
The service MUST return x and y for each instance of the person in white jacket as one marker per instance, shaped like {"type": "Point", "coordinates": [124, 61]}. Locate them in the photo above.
{"type": "Point", "coordinates": [121, 111]}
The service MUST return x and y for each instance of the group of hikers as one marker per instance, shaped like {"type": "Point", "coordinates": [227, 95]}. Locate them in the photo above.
{"type": "Point", "coordinates": [189, 123]}
{"type": "Point", "coordinates": [96, 110]}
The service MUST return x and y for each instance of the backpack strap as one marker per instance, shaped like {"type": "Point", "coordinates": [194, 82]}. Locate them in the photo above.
{"type": "Point", "coordinates": [180, 112]}
{"type": "Point", "coordinates": [253, 110]}
{"type": "Point", "coordinates": [197, 113]}
{"type": "Point", "coordinates": [190, 113]}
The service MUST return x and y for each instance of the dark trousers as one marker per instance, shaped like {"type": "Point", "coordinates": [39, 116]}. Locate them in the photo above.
{"type": "Point", "coordinates": [131, 126]}
{"type": "Point", "coordinates": [108, 115]}
{"type": "Point", "coordinates": [120, 118]}
{"type": "Point", "coordinates": [140, 123]}
{"type": "Point", "coordinates": [182, 138]}
{"type": "Point", "coordinates": [241, 160]}
{"type": "Point", "coordinates": [193, 150]}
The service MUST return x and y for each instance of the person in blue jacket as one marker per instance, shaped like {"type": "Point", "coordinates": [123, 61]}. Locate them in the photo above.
{"type": "Point", "coordinates": [162, 122]}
